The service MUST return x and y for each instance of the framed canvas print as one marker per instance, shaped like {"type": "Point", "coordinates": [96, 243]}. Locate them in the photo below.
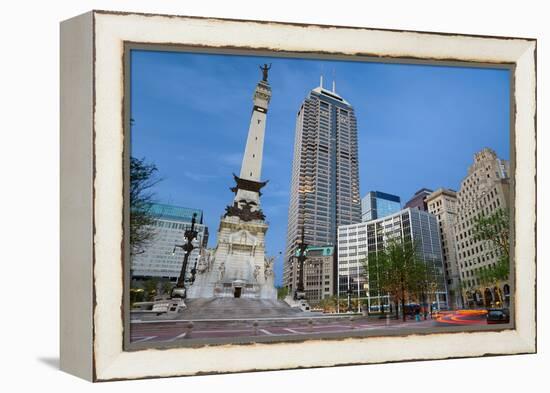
{"type": "Point", "coordinates": [248, 195]}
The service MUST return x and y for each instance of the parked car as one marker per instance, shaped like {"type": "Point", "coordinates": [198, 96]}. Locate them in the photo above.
{"type": "Point", "coordinates": [498, 315]}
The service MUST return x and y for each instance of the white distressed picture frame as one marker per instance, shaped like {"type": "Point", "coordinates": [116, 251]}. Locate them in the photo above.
{"type": "Point", "coordinates": [92, 143]}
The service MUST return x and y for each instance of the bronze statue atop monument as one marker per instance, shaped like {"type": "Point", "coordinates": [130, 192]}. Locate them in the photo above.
{"type": "Point", "coordinates": [265, 69]}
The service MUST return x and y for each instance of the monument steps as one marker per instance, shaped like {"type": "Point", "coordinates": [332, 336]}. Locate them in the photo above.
{"type": "Point", "coordinates": [236, 308]}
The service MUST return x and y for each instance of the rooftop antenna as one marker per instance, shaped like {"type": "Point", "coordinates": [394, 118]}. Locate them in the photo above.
{"type": "Point", "coordinates": [334, 81]}
{"type": "Point", "coordinates": [321, 82]}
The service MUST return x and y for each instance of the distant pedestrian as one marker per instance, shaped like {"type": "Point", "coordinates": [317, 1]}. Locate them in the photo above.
{"type": "Point", "coordinates": [417, 314]}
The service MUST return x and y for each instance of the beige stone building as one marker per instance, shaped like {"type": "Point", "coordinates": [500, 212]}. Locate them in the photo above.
{"type": "Point", "coordinates": [442, 203]}
{"type": "Point", "coordinates": [318, 273]}
{"type": "Point", "coordinates": [484, 190]}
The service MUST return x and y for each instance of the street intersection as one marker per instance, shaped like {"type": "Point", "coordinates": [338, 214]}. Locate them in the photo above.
{"type": "Point", "coordinates": [164, 331]}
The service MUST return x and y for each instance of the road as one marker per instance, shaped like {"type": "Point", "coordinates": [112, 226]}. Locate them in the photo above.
{"type": "Point", "coordinates": [462, 317]}
{"type": "Point", "coordinates": [169, 332]}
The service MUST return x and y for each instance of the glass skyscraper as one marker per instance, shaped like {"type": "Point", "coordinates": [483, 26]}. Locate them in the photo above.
{"type": "Point", "coordinates": [160, 258]}
{"type": "Point", "coordinates": [324, 191]}
{"type": "Point", "coordinates": [378, 204]}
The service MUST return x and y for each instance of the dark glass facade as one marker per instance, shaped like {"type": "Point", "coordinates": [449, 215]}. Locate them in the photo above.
{"type": "Point", "coordinates": [418, 201]}
{"type": "Point", "coordinates": [378, 204]}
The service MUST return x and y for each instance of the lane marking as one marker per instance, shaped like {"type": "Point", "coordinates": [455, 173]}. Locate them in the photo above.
{"type": "Point", "coordinates": [292, 331]}
{"type": "Point", "coordinates": [222, 331]}
{"type": "Point", "coordinates": [140, 340]}
{"type": "Point", "coordinates": [177, 337]}
{"type": "Point", "coordinates": [264, 331]}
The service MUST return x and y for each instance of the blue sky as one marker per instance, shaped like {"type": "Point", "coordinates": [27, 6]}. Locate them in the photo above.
{"type": "Point", "coordinates": [418, 125]}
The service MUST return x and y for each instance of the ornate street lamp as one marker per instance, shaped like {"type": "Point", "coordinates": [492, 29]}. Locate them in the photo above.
{"type": "Point", "coordinates": [300, 292]}
{"type": "Point", "coordinates": [187, 247]}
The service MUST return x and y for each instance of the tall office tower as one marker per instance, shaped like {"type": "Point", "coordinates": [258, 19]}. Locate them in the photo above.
{"type": "Point", "coordinates": [356, 241]}
{"type": "Point", "coordinates": [324, 192]}
{"type": "Point", "coordinates": [442, 203]}
{"type": "Point", "coordinates": [483, 191]}
{"type": "Point", "coordinates": [159, 259]}
{"type": "Point", "coordinates": [378, 204]}
{"type": "Point", "coordinates": [418, 201]}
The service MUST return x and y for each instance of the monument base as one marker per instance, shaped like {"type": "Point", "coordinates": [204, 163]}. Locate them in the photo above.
{"type": "Point", "coordinates": [238, 267]}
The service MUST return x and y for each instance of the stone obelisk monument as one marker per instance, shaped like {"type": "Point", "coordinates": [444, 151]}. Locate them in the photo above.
{"type": "Point", "coordinates": [238, 266]}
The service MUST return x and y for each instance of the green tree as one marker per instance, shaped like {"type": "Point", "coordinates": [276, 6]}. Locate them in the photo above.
{"type": "Point", "coordinates": [494, 230]}
{"type": "Point", "coordinates": [331, 304]}
{"type": "Point", "coordinates": [325, 304]}
{"type": "Point", "coordinates": [166, 287]}
{"type": "Point", "coordinates": [136, 295]}
{"type": "Point", "coordinates": [142, 179]}
{"type": "Point", "coordinates": [282, 292]}
{"type": "Point", "coordinates": [398, 271]}
{"type": "Point", "coordinates": [150, 288]}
